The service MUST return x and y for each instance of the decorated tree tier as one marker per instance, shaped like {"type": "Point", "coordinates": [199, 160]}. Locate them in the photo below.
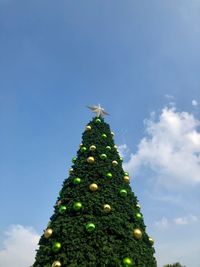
{"type": "Point", "coordinates": [97, 220]}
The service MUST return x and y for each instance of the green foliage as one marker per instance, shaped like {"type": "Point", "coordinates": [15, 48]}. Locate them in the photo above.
{"type": "Point", "coordinates": [112, 240]}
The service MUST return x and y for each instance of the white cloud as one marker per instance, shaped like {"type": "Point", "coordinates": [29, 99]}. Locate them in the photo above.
{"type": "Point", "coordinates": [123, 150]}
{"type": "Point", "coordinates": [185, 220]}
{"type": "Point", "coordinates": [194, 103]}
{"type": "Point", "coordinates": [19, 247]}
{"type": "Point", "coordinates": [163, 223]}
{"type": "Point", "coordinates": [171, 149]}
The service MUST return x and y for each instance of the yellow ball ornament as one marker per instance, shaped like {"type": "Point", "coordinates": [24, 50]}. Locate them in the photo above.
{"type": "Point", "coordinates": [93, 187]}
{"type": "Point", "coordinates": [92, 148]}
{"type": "Point", "coordinates": [137, 233]}
{"type": "Point", "coordinates": [59, 203]}
{"type": "Point", "coordinates": [88, 128]}
{"type": "Point", "coordinates": [56, 264]}
{"type": "Point", "coordinates": [151, 241]}
{"type": "Point", "coordinates": [81, 144]}
{"type": "Point", "coordinates": [71, 170]}
{"type": "Point", "coordinates": [48, 232]}
{"type": "Point", "coordinates": [90, 160]}
{"type": "Point", "coordinates": [106, 208]}
{"type": "Point", "coordinates": [114, 163]}
{"type": "Point", "coordinates": [112, 133]}
{"type": "Point", "coordinates": [126, 178]}
{"type": "Point", "coordinates": [138, 206]}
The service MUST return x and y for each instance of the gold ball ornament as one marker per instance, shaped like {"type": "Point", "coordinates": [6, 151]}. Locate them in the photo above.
{"type": "Point", "coordinates": [56, 264]}
{"type": "Point", "coordinates": [93, 187]}
{"type": "Point", "coordinates": [92, 148]}
{"type": "Point", "coordinates": [81, 144]}
{"type": "Point", "coordinates": [137, 233]}
{"type": "Point", "coordinates": [88, 128]}
{"type": "Point", "coordinates": [106, 208]}
{"type": "Point", "coordinates": [126, 178]}
{"type": "Point", "coordinates": [151, 241]}
{"type": "Point", "coordinates": [90, 160]}
{"type": "Point", "coordinates": [114, 163]}
{"type": "Point", "coordinates": [48, 232]}
{"type": "Point", "coordinates": [59, 203]}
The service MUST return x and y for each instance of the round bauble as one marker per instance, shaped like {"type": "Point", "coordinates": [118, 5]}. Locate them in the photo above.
{"type": "Point", "coordinates": [74, 159]}
{"type": "Point", "coordinates": [109, 175]}
{"type": "Point", "coordinates": [126, 178]}
{"type": "Point", "coordinates": [88, 128]}
{"type": "Point", "coordinates": [151, 241]}
{"type": "Point", "coordinates": [77, 180]}
{"type": "Point", "coordinates": [98, 121]}
{"type": "Point", "coordinates": [108, 148]}
{"type": "Point", "coordinates": [104, 135]}
{"type": "Point", "coordinates": [112, 133]}
{"type": "Point", "coordinates": [83, 149]}
{"type": "Point", "coordinates": [121, 159]}
{"type": "Point", "coordinates": [90, 160]}
{"type": "Point", "coordinates": [62, 209]}
{"type": "Point", "coordinates": [103, 156]}
{"type": "Point", "coordinates": [77, 206]}
{"type": "Point", "coordinates": [137, 233]}
{"type": "Point", "coordinates": [123, 193]}
{"type": "Point", "coordinates": [71, 170]}
{"type": "Point", "coordinates": [93, 187]}
{"type": "Point", "coordinates": [126, 173]}
{"type": "Point", "coordinates": [81, 144]}
{"type": "Point", "coordinates": [56, 264]}
{"type": "Point", "coordinates": [115, 147]}
{"type": "Point", "coordinates": [106, 208]}
{"type": "Point", "coordinates": [59, 203]}
{"type": "Point", "coordinates": [92, 148]}
{"type": "Point", "coordinates": [138, 206]}
{"type": "Point", "coordinates": [90, 227]}
{"type": "Point", "coordinates": [56, 246]}
{"type": "Point", "coordinates": [114, 163]}
{"type": "Point", "coordinates": [48, 232]}
{"type": "Point", "coordinates": [138, 215]}
{"type": "Point", "coordinates": [127, 262]}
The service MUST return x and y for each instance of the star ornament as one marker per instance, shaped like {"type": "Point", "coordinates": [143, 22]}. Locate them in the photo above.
{"type": "Point", "coordinates": [100, 112]}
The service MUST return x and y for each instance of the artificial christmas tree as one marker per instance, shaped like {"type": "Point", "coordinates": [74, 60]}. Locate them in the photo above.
{"type": "Point", "coordinates": [97, 220]}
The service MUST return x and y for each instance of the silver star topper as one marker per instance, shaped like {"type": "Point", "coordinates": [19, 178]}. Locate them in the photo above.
{"type": "Point", "coordinates": [98, 110]}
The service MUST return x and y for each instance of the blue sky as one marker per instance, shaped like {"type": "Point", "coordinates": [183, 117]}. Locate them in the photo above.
{"type": "Point", "coordinates": [140, 60]}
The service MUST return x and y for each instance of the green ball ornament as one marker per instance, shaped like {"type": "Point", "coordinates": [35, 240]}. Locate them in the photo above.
{"type": "Point", "coordinates": [123, 193]}
{"type": "Point", "coordinates": [104, 135]}
{"type": "Point", "coordinates": [90, 227]}
{"type": "Point", "coordinates": [77, 206]}
{"type": "Point", "coordinates": [74, 159]}
{"type": "Point", "coordinates": [108, 148]}
{"type": "Point", "coordinates": [127, 262]}
{"type": "Point", "coordinates": [121, 159]}
{"type": "Point", "coordinates": [83, 149]}
{"type": "Point", "coordinates": [62, 209]}
{"type": "Point", "coordinates": [56, 246]}
{"type": "Point", "coordinates": [109, 175]}
{"type": "Point", "coordinates": [98, 120]}
{"type": "Point", "coordinates": [77, 180]}
{"type": "Point", "coordinates": [56, 264]}
{"type": "Point", "coordinates": [138, 215]}
{"type": "Point", "coordinates": [126, 173]}
{"type": "Point", "coordinates": [113, 134]}
{"type": "Point", "coordinates": [138, 206]}
{"type": "Point", "coordinates": [103, 156]}
{"type": "Point", "coordinates": [92, 148]}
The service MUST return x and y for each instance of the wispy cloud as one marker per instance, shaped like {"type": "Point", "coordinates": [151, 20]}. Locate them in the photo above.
{"type": "Point", "coordinates": [194, 103]}
{"type": "Point", "coordinates": [19, 247]}
{"type": "Point", "coordinates": [171, 148]}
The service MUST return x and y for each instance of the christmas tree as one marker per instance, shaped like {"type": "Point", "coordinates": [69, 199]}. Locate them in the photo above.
{"type": "Point", "coordinates": [97, 220]}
